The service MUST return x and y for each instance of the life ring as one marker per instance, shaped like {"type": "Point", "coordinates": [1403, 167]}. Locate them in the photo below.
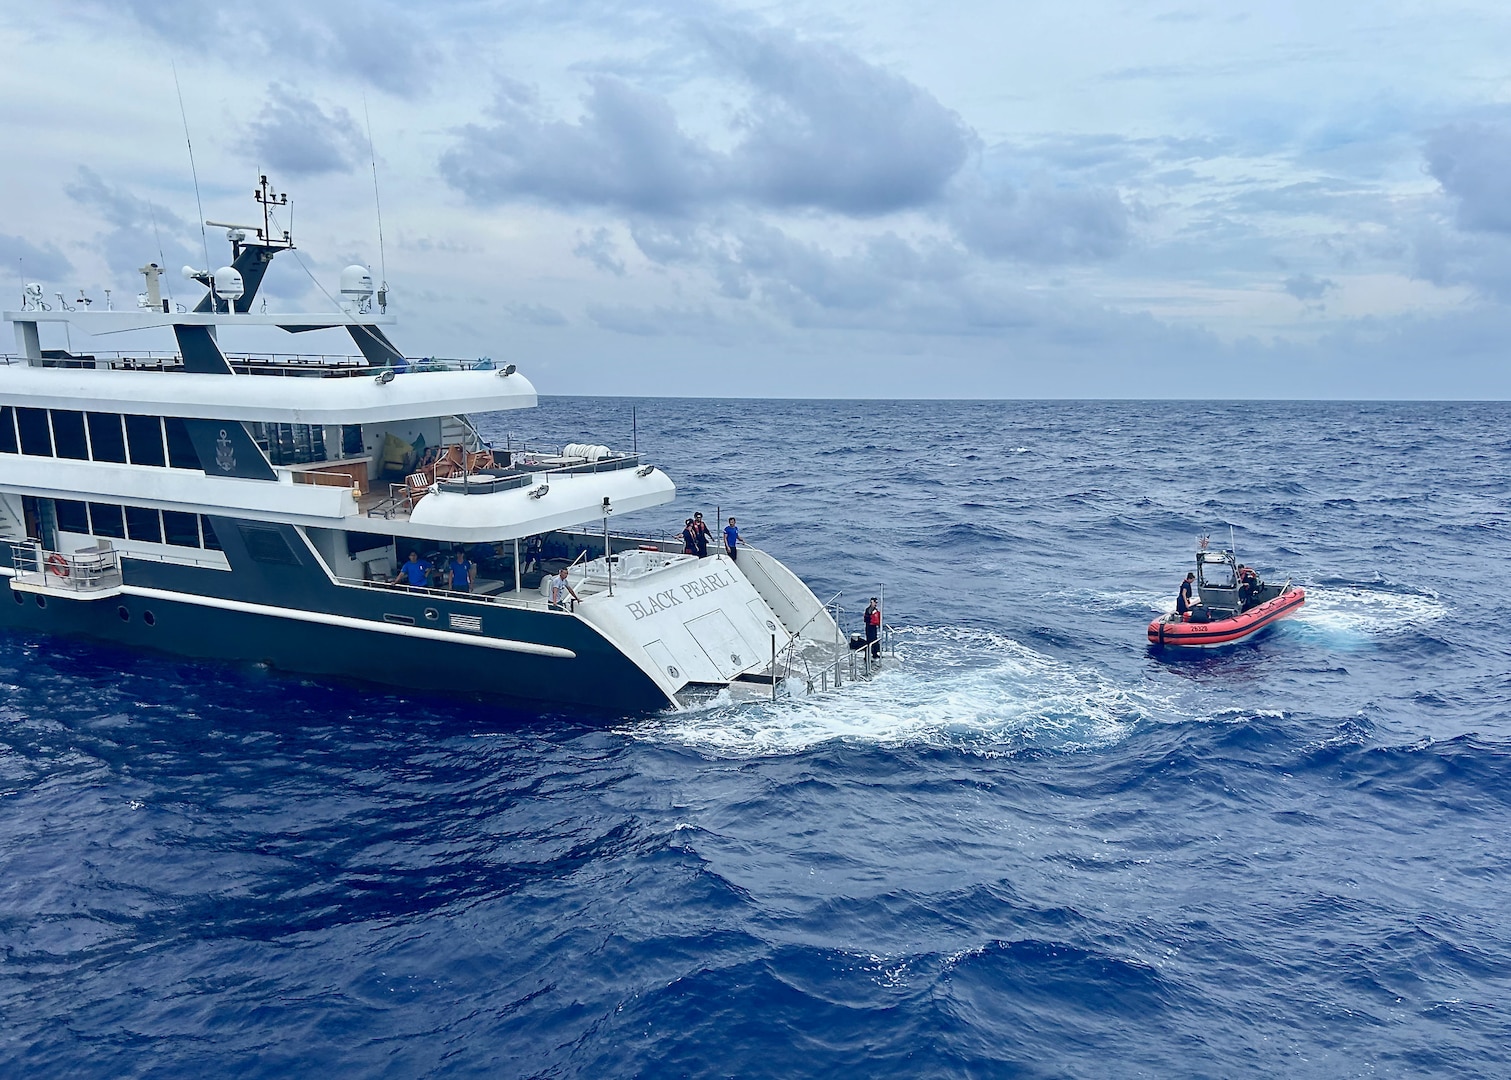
{"type": "Point", "coordinates": [58, 565]}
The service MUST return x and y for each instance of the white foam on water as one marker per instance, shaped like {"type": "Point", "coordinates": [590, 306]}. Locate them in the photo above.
{"type": "Point", "coordinates": [968, 689]}
{"type": "Point", "coordinates": [1359, 612]}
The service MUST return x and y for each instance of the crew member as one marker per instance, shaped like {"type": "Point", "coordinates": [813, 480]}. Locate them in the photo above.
{"type": "Point", "coordinates": [1248, 583]}
{"type": "Point", "coordinates": [731, 539]}
{"type": "Point", "coordinates": [873, 628]}
{"type": "Point", "coordinates": [700, 535]}
{"type": "Point", "coordinates": [1183, 599]}
{"type": "Point", "coordinates": [560, 588]}
{"type": "Point", "coordinates": [460, 569]}
{"type": "Point", "coordinates": [415, 572]}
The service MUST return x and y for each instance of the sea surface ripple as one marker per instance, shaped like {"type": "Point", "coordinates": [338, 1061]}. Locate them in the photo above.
{"type": "Point", "coordinates": [1028, 848]}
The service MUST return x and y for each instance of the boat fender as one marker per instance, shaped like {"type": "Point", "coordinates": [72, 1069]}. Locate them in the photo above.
{"type": "Point", "coordinates": [58, 565]}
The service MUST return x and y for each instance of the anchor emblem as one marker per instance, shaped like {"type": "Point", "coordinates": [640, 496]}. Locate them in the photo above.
{"type": "Point", "coordinates": [225, 453]}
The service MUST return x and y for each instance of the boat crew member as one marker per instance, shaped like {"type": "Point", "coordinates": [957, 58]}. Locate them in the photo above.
{"type": "Point", "coordinates": [689, 539]}
{"type": "Point", "coordinates": [1248, 582]}
{"type": "Point", "coordinates": [415, 572]}
{"type": "Point", "coordinates": [533, 548]}
{"type": "Point", "coordinates": [460, 569]}
{"type": "Point", "coordinates": [1183, 598]}
{"type": "Point", "coordinates": [731, 539]}
{"type": "Point", "coordinates": [700, 535]}
{"type": "Point", "coordinates": [560, 588]}
{"type": "Point", "coordinates": [873, 628]}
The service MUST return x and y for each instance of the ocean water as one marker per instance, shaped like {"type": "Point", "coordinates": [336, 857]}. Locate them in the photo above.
{"type": "Point", "coordinates": [1028, 848]}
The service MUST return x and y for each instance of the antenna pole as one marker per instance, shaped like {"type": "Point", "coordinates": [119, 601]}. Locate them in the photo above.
{"type": "Point", "coordinates": [194, 172]}
{"type": "Point", "coordinates": [378, 206]}
{"type": "Point", "coordinates": [634, 432]}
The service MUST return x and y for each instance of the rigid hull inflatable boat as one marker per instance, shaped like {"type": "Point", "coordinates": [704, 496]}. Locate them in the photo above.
{"type": "Point", "coordinates": [1228, 608]}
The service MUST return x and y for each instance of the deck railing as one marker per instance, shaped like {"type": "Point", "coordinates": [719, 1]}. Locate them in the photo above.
{"type": "Point", "coordinates": [81, 572]}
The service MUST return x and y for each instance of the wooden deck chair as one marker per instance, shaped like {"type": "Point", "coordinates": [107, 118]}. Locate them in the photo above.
{"type": "Point", "coordinates": [482, 459]}
{"type": "Point", "coordinates": [453, 463]}
{"type": "Point", "coordinates": [411, 490]}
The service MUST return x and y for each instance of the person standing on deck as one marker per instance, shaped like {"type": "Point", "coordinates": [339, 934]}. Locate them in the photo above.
{"type": "Point", "coordinates": [873, 628]}
{"type": "Point", "coordinates": [700, 535]}
{"type": "Point", "coordinates": [731, 539]}
{"type": "Point", "coordinates": [560, 588]}
{"type": "Point", "coordinates": [415, 572]}
{"type": "Point", "coordinates": [689, 539]}
{"type": "Point", "coordinates": [461, 569]}
{"type": "Point", "coordinates": [1183, 598]}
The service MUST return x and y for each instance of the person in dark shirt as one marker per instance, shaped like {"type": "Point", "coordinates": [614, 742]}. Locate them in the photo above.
{"type": "Point", "coordinates": [415, 572]}
{"type": "Point", "coordinates": [689, 539]}
{"type": "Point", "coordinates": [700, 535]}
{"type": "Point", "coordinates": [1183, 598]}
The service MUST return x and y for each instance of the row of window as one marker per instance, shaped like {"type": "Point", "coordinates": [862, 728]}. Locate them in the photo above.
{"type": "Point", "coordinates": [136, 523]}
{"type": "Point", "coordinates": [93, 436]}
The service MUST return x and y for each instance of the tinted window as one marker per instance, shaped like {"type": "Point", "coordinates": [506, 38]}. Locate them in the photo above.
{"type": "Point", "coordinates": [211, 540]}
{"type": "Point", "coordinates": [181, 452]}
{"type": "Point", "coordinates": [181, 530]}
{"type": "Point", "coordinates": [68, 434]}
{"type": "Point", "coordinates": [105, 520]}
{"type": "Point", "coordinates": [144, 434]}
{"type": "Point", "coordinates": [72, 516]}
{"type": "Point", "coordinates": [143, 524]}
{"type": "Point", "coordinates": [105, 437]}
{"type": "Point", "coordinates": [7, 430]}
{"type": "Point", "coordinates": [267, 545]}
{"type": "Point", "coordinates": [35, 438]}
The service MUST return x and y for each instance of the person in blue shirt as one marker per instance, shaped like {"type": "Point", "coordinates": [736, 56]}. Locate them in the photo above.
{"type": "Point", "coordinates": [415, 572]}
{"type": "Point", "coordinates": [731, 538]}
{"type": "Point", "coordinates": [460, 569]}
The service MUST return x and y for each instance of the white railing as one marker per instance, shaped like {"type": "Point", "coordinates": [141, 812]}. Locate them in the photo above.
{"type": "Point", "coordinates": [82, 572]}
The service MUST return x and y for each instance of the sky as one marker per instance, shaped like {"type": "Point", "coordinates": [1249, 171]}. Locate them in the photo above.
{"type": "Point", "coordinates": [798, 199]}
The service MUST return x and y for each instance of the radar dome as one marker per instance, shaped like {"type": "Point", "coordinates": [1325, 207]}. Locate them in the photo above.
{"type": "Point", "coordinates": [228, 283]}
{"type": "Point", "coordinates": [356, 282]}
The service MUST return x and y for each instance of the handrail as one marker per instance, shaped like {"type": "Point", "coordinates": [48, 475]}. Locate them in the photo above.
{"type": "Point", "coordinates": [443, 594]}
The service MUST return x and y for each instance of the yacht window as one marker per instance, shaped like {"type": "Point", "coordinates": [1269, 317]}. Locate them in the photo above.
{"type": "Point", "coordinates": [266, 544]}
{"type": "Point", "coordinates": [68, 434]}
{"type": "Point", "coordinates": [7, 430]}
{"type": "Point", "coordinates": [105, 519]}
{"type": "Point", "coordinates": [181, 452]}
{"type": "Point", "coordinates": [212, 542]}
{"type": "Point", "coordinates": [180, 529]}
{"type": "Point", "coordinates": [105, 438]}
{"type": "Point", "coordinates": [144, 434]}
{"type": "Point", "coordinates": [72, 516]}
{"type": "Point", "coordinates": [293, 444]}
{"type": "Point", "coordinates": [143, 524]}
{"type": "Point", "coordinates": [351, 440]}
{"type": "Point", "coordinates": [36, 439]}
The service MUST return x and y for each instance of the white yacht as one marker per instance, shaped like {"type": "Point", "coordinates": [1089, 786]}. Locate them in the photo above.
{"type": "Point", "coordinates": [260, 507]}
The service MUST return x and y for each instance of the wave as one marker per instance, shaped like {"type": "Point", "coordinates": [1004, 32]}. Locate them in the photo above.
{"type": "Point", "coordinates": [1366, 611]}
{"type": "Point", "coordinates": [951, 687]}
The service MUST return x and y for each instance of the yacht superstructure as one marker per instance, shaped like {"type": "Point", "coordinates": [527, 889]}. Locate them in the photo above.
{"type": "Point", "coordinates": [260, 507]}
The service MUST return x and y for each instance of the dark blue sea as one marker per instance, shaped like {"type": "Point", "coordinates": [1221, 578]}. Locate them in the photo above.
{"type": "Point", "coordinates": [1028, 848]}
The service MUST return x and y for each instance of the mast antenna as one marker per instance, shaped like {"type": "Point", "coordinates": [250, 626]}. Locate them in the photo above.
{"type": "Point", "coordinates": [194, 172]}
{"type": "Point", "coordinates": [377, 205]}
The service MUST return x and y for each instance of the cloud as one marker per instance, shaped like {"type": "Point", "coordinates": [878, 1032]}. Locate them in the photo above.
{"type": "Point", "coordinates": [600, 250]}
{"type": "Point", "coordinates": [1042, 224]}
{"type": "Point", "coordinates": [1472, 161]}
{"type": "Point", "coordinates": [1305, 287]}
{"type": "Point", "coordinates": [822, 130]}
{"type": "Point", "coordinates": [295, 135]}
{"type": "Point", "coordinates": [136, 228]}
{"type": "Point", "coordinates": [385, 45]}
{"type": "Point", "coordinates": [535, 314]}
{"type": "Point", "coordinates": [29, 262]}
{"type": "Point", "coordinates": [825, 129]}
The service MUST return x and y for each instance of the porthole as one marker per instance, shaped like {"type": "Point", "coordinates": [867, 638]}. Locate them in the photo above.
{"type": "Point", "coordinates": [17, 597]}
{"type": "Point", "coordinates": [149, 618]}
{"type": "Point", "coordinates": [41, 600]}
{"type": "Point", "coordinates": [124, 612]}
{"type": "Point", "coordinates": [432, 614]}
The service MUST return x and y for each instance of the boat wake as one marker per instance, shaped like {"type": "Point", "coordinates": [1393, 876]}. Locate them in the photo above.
{"type": "Point", "coordinates": [1360, 612]}
{"type": "Point", "coordinates": [966, 689]}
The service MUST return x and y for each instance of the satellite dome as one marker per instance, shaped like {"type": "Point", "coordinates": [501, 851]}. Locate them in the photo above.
{"type": "Point", "coordinates": [356, 282]}
{"type": "Point", "coordinates": [228, 283]}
